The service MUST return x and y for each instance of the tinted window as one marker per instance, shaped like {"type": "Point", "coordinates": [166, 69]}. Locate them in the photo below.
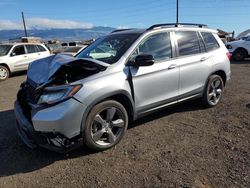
{"type": "Point", "coordinates": [64, 44]}
{"type": "Point", "coordinates": [188, 42]}
{"type": "Point", "coordinates": [210, 41]}
{"type": "Point", "coordinates": [72, 44]}
{"type": "Point", "coordinates": [31, 48]}
{"type": "Point", "coordinates": [41, 48]}
{"type": "Point", "coordinates": [158, 45]}
{"type": "Point", "coordinates": [19, 50]}
{"type": "Point", "coordinates": [109, 49]}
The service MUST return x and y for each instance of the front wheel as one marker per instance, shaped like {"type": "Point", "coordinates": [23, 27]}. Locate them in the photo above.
{"type": "Point", "coordinates": [213, 91]}
{"type": "Point", "coordinates": [105, 126]}
{"type": "Point", "coordinates": [4, 73]}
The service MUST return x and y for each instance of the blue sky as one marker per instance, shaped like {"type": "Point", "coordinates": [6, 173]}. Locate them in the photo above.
{"type": "Point", "coordinates": [224, 14]}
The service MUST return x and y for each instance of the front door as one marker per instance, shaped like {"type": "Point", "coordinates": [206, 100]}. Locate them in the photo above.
{"type": "Point", "coordinates": [157, 84]}
{"type": "Point", "coordinates": [19, 58]}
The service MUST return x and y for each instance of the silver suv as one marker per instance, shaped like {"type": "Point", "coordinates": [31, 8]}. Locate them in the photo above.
{"type": "Point", "coordinates": [93, 97]}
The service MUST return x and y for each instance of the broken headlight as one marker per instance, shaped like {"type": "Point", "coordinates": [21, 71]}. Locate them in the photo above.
{"type": "Point", "coordinates": [57, 94]}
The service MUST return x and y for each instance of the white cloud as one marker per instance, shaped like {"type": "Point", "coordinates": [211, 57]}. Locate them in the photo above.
{"type": "Point", "coordinates": [59, 24]}
{"type": "Point", "coordinates": [44, 23]}
{"type": "Point", "coordinates": [122, 27]}
{"type": "Point", "coordinates": [7, 24]}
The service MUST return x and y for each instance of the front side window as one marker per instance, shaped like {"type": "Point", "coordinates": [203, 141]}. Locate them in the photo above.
{"type": "Point", "coordinates": [31, 48]}
{"type": "Point", "coordinates": [4, 49]}
{"type": "Point", "coordinates": [109, 49]}
{"type": "Point", "coordinates": [188, 43]}
{"type": "Point", "coordinates": [210, 41]}
{"type": "Point", "coordinates": [19, 50]}
{"type": "Point", "coordinates": [158, 45]}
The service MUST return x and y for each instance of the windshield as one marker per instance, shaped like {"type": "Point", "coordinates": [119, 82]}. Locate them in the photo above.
{"type": "Point", "coordinates": [4, 49]}
{"type": "Point", "coordinates": [109, 49]}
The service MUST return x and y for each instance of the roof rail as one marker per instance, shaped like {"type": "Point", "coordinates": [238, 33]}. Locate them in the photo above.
{"type": "Point", "coordinates": [175, 25]}
{"type": "Point", "coordinates": [118, 30]}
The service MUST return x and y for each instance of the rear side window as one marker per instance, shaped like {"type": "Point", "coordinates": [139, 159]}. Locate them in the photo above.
{"type": "Point", "coordinates": [158, 45]}
{"type": "Point", "coordinates": [210, 41]}
{"type": "Point", "coordinates": [72, 44]}
{"type": "Point", "coordinates": [31, 48]}
{"type": "Point", "coordinates": [188, 42]}
{"type": "Point", "coordinates": [41, 48]}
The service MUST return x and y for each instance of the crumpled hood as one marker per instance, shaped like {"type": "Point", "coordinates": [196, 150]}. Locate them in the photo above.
{"type": "Point", "coordinates": [42, 70]}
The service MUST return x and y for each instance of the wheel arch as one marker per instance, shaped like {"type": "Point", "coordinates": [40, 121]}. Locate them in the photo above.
{"type": "Point", "coordinates": [220, 73]}
{"type": "Point", "coordinates": [242, 48]}
{"type": "Point", "coordinates": [122, 97]}
{"type": "Point", "coordinates": [5, 65]}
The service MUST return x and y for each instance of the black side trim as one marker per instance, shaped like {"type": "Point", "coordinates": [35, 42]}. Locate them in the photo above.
{"type": "Point", "coordinates": [130, 81]}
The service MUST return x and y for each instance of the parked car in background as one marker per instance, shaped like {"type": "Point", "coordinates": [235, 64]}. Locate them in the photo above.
{"type": "Point", "coordinates": [72, 51]}
{"type": "Point", "coordinates": [54, 47]}
{"type": "Point", "coordinates": [239, 49]}
{"type": "Point", "coordinates": [70, 44]}
{"type": "Point", "coordinates": [16, 57]}
{"type": "Point", "coordinates": [92, 97]}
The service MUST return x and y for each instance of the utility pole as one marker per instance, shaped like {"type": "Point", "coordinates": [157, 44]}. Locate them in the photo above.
{"type": "Point", "coordinates": [177, 11]}
{"type": "Point", "coordinates": [24, 25]}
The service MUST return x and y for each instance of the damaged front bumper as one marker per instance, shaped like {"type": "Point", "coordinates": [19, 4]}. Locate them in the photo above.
{"type": "Point", "coordinates": [50, 138]}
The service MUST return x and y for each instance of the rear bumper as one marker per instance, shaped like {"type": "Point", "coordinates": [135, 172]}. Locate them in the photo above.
{"type": "Point", "coordinates": [49, 140]}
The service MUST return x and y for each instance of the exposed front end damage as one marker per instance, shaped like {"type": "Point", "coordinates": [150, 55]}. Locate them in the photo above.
{"type": "Point", "coordinates": [47, 121]}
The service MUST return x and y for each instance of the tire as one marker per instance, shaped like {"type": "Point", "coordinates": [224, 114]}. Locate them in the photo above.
{"type": "Point", "coordinates": [239, 55]}
{"type": "Point", "coordinates": [213, 91]}
{"type": "Point", "coordinates": [105, 125]}
{"type": "Point", "coordinates": [4, 73]}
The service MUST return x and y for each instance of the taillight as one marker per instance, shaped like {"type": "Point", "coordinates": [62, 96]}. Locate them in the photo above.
{"type": "Point", "coordinates": [228, 55]}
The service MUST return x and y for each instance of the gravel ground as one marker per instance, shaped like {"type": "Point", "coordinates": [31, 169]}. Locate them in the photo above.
{"type": "Point", "coordinates": [182, 146]}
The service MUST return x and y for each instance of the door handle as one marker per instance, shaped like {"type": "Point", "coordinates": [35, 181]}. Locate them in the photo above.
{"type": "Point", "coordinates": [204, 58]}
{"type": "Point", "coordinates": [25, 56]}
{"type": "Point", "coordinates": [172, 66]}
{"type": "Point", "coordinates": [38, 54]}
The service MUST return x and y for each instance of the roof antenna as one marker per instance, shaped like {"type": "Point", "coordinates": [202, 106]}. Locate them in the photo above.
{"type": "Point", "coordinates": [177, 12]}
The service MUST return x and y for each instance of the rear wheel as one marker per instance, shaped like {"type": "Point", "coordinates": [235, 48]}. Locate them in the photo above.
{"type": "Point", "coordinates": [239, 55]}
{"type": "Point", "coordinates": [213, 91]}
{"type": "Point", "coordinates": [4, 73]}
{"type": "Point", "coordinates": [105, 126]}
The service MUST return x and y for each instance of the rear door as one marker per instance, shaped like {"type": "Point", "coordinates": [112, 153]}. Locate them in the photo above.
{"type": "Point", "coordinates": [194, 63]}
{"type": "Point", "coordinates": [42, 51]}
{"type": "Point", "coordinates": [31, 52]}
{"type": "Point", "coordinates": [155, 85]}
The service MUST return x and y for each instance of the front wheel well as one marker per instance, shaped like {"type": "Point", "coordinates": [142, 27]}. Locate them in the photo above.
{"type": "Point", "coordinates": [5, 65]}
{"type": "Point", "coordinates": [126, 102]}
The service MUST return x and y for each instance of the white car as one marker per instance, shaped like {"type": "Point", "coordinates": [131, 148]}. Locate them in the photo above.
{"type": "Point", "coordinates": [18, 56]}
{"type": "Point", "coordinates": [239, 49]}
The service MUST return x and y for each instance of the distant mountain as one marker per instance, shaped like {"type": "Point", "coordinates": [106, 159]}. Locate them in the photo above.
{"type": "Point", "coordinates": [60, 34]}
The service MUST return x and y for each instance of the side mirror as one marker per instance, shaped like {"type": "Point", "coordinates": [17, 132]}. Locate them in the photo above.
{"type": "Point", "coordinates": [13, 54]}
{"type": "Point", "coordinates": [142, 60]}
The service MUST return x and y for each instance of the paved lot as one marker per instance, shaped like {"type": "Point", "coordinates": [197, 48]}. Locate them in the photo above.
{"type": "Point", "coordinates": [183, 146]}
